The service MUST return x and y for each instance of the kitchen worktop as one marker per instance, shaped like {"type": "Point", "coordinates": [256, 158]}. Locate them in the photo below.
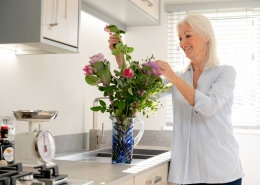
{"type": "Point", "coordinates": [110, 174]}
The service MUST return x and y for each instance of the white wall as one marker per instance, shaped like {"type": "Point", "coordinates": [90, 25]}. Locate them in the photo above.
{"type": "Point", "coordinates": [54, 82]}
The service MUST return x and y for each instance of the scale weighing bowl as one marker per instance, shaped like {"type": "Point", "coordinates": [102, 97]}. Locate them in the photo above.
{"type": "Point", "coordinates": [35, 115]}
{"type": "Point", "coordinates": [34, 147]}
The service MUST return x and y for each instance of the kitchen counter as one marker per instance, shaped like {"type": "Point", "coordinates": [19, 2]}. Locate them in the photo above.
{"type": "Point", "coordinates": [109, 174]}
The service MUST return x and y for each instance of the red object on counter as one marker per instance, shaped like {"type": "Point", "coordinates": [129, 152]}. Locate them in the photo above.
{"type": "Point", "coordinates": [4, 127]}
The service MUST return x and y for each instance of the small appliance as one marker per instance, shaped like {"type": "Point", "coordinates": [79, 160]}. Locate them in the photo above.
{"type": "Point", "coordinates": [35, 147]}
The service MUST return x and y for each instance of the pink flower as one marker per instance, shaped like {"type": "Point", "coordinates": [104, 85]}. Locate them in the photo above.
{"type": "Point", "coordinates": [88, 69]}
{"type": "Point", "coordinates": [97, 58]}
{"type": "Point", "coordinates": [128, 73]}
{"type": "Point", "coordinates": [107, 29]}
{"type": "Point", "coordinates": [154, 67]}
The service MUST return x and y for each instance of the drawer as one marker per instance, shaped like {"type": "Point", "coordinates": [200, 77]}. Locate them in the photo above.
{"type": "Point", "coordinates": [129, 181]}
{"type": "Point", "coordinates": [156, 176]}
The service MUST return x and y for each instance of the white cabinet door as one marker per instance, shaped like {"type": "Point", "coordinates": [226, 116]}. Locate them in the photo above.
{"type": "Point", "coordinates": [63, 14]}
{"type": "Point", "coordinates": [72, 22]}
{"type": "Point", "coordinates": [149, 6]}
{"type": "Point", "coordinates": [49, 16]}
{"type": "Point", "coordinates": [156, 176]}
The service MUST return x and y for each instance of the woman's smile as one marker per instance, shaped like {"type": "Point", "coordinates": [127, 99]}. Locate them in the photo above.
{"type": "Point", "coordinates": [187, 48]}
{"type": "Point", "coordinates": [193, 45]}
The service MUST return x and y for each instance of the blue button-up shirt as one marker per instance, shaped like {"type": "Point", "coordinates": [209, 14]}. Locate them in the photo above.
{"type": "Point", "coordinates": [204, 148]}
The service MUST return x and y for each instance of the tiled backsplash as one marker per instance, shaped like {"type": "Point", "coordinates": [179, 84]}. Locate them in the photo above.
{"type": "Point", "coordinates": [75, 142]}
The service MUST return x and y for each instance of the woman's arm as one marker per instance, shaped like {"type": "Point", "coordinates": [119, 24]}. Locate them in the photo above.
{"type": "Point", "coordinates": [113, 40]}
{"type": "Point", "coordinates": [187, 91]}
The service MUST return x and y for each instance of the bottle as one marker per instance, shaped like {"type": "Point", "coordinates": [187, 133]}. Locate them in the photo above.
{"type": "Point", "coordinates": [7, 148]}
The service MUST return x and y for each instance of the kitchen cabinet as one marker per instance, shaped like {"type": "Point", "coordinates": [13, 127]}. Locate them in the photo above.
{"type": "Point", "coordinates": [157, 175]}
{"type": "Point", "coordinates": [126, 12]}
{"type": "Point", "coordinates": [129, 181]}
{"type": "Point", "coordinates": [40, 26]}
{"type": "Point", "coordinates": [149, 6]}
{"type": "Point", "coordinates": [60, 22]}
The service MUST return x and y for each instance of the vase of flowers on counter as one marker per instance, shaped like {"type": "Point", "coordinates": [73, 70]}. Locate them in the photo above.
{"type": "Point", "coordinates": [130, 90]}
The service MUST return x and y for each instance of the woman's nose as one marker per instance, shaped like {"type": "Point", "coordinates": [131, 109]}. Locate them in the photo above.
{"type": "Point", "coordinates": [182, 43]}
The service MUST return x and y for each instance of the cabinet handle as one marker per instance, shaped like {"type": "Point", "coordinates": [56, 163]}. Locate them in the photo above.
{"type": "Point", "coordinates": [157, 179]}
{"type": "Point", "coordinates": [149, 2]}
{"type": "Point", "coordinates": [56, 17]}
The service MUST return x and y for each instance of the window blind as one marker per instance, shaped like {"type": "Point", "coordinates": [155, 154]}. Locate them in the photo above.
{"type": "Point", "coordinates": [238, 37]}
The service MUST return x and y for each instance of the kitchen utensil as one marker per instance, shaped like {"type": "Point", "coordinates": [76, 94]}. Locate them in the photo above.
{"type": "Point", "coordinates": [35, 147]}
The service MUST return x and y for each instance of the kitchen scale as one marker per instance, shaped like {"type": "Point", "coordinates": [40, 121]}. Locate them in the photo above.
{"type": "Point", "coordinates": [37, 146]}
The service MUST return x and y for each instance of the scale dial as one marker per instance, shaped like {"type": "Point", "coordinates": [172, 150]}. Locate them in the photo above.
{"type": "Point", "coordinates": [44, 146]}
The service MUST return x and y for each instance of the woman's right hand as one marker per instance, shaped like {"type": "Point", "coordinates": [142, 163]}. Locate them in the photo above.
{"type": "Point", "coordinates": [113, 40]}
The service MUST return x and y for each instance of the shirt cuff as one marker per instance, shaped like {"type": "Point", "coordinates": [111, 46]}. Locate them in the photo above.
{"type": "Point", "coordinates": [199, 100]}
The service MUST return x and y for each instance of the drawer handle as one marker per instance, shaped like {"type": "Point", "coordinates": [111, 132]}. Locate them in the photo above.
{"type": "Point", "coordinates": [56, 17]}
{"type": "Point", "coordinates": [149, 2]}
{"type": "Point", "coordinates": [157, 179]}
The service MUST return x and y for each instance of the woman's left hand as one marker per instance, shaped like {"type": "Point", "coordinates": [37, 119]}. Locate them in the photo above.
{"type": "Point", "coordinates": [166, 70]}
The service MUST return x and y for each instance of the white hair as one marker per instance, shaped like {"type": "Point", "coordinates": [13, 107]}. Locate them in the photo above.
{"type": "Point", "coordinates": [202, 26]}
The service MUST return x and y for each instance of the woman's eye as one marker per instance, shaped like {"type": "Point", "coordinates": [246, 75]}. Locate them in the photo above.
{"type": "Point", "coordinates": [187, 36]}
{"type": "Point", "coordinates": [179, 38]}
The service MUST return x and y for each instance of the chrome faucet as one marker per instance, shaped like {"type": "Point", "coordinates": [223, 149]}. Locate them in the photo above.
{"type": "Point", "coordinates": [96, 137]}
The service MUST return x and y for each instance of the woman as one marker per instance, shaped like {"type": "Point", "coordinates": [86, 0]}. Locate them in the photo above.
{"type": "Point", "coordinates": [204, 149]}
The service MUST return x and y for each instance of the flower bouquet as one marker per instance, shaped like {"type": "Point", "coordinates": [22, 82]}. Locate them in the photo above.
{"type": "Point", "coordinates": [131, 89]}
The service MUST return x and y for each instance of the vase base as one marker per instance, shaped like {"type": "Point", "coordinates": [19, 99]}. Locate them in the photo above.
{"type": "Point", "coordinates": [121, 162]}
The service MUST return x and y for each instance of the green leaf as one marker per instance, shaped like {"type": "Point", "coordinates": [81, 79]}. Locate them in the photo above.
{"type": "Point", "coordinates": [109, 89]}
{"type": "Point", "coordinates": [123, 67]}
{"type": "Point", "coordinates": [103, 109]}
{"type": "Point", "coordinates": [117, 35]}
{"type": "Point", "coordinates": [102, 103]}
{"type": "Point", "coordinates": [92, 80]}
{"type": "Point", "coordinates": [130, 49]}
{"type": "Point", "coordinates": [101, 88]}
{"type": "Point", "coordinates": [115, 52]}
{"type": "Point", "coordinates": [118, 45]}
{"type": "Point", "coordinates": [117, 73]}
{"type": "Point", "coordinates": [128, 57]}
{"type": "Point", "coordinates": [122, 32]}
{"type": "Point", "coordinates": [116, 102]}
{"type": "Point", "coordinates": [113, 28]}
{"type": "Point", "coordinates": [130, 91]}
{"type": "Point", "coordinates": [97, 108]}
{"type": "Point", "coordinates": [123, 49]}
{"type": "Point", "coordinates": [118, 112]}
{"type": "Point", "coordinates": [121, 104]}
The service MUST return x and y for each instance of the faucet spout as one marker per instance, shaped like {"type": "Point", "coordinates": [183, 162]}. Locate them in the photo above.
{"type": "Point", "coordinates": [96, 137]}
{"type": "Point", "coordinates": [95, 113]}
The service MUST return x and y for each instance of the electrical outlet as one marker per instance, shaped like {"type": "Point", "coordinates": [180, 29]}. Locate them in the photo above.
{"type": "Point", "coordinates": [10, 122]}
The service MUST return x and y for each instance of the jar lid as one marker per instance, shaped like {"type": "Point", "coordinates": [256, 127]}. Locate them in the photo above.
{"type": "Point", "coordinates": [4, 127]}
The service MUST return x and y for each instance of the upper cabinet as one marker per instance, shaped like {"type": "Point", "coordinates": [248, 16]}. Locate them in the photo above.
{"type": "Point", "coordinates": [149, 6]}
{"type": "Point", "coordinates": [60, 21]}
{"type": "Point", "coordinates": [125, 12]}
{"type": "Point", "coordinates": [40, 26]}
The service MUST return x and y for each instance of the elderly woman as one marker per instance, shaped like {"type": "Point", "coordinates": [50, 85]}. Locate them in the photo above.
{"type": "Point", "coordinates": [204, 149]}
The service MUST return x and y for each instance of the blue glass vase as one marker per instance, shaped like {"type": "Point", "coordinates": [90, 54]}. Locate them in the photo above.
{"type": "Point", "coordinates": [123, 140]}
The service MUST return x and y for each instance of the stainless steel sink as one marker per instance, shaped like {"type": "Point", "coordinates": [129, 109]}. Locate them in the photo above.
{"type": "Point", "coordinates": [104, 155]}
